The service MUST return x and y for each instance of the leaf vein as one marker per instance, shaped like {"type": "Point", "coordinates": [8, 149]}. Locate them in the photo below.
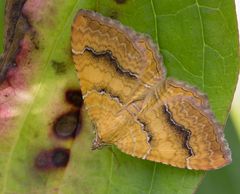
{"type": "Point", "coordinates": [181, 63]}
{"type": "Point", "coordinates": [153, 176]}
{"type": "Point", "coordinates": [203, 44]}
{"type": "Point", "coordinates": [178, 11]}
{"type": "Point", "coordinates": [155, 22]}
{"type": "Point", "coordinates": [110, 174]}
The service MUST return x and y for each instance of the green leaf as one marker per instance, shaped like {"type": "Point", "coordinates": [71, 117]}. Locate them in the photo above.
{"type": "Point", "coordinates": [226, 179]}
{"type": "Point", "coordinates": [199, 43]}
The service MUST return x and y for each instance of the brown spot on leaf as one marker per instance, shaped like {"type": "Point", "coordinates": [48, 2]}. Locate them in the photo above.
{"type": "Point", "coordinates": [60, 157]}
{"type": "Point", "coordinates": [113, 14]}
{"type": "Point", "coordinates": [67, 125]}
{"type": "Point", "coordinates": [51, 159]}
{"type": "Point", "coordinates": [59, 67]}
{"type": "Point", "coordinates": [74, 97]}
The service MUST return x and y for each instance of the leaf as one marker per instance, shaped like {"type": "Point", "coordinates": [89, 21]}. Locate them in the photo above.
{"type": "Point", "coordinates": [199, 43]}
{"type": "Point", "coordinates": [226, 179]}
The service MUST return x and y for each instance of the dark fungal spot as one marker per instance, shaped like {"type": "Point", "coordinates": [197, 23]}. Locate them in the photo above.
{"type": "Point", "coordinates": [120, 1]}
{"type": "Point", "coordinates": [74, 97]}
{"type": "Point", "coordinates": [67, 125]}
{"type": "Point", "coordinates": [59, 67]}
{"type": "Point", "coordinates": [60, 157]}
{"type": "Point", "coordinates": [113, 14]}
{"type": "Point", "coordinates": [181, 130]}
{"type": "Point", "coordinates": [52, 159]}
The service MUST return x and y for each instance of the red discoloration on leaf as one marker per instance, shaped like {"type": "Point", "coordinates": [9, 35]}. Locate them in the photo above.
{"type": "Point", "coordinates": [19, 75]}
{"type": "Point", "coordinates": [52, 159]}
{"type": "Point", "coordinates": [14, 90]}
{"type": "Point", "coordinates": [25, 46]}
{"type": "Point", "coordinates": [33, 9]}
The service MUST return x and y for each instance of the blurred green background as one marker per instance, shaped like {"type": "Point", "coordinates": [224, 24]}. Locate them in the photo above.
{"type": "Point", "coordinates": [222, 181]}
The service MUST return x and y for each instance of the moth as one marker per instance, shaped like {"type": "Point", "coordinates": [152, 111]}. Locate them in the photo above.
{"type": "Point", "coordinates": [134, 106]}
